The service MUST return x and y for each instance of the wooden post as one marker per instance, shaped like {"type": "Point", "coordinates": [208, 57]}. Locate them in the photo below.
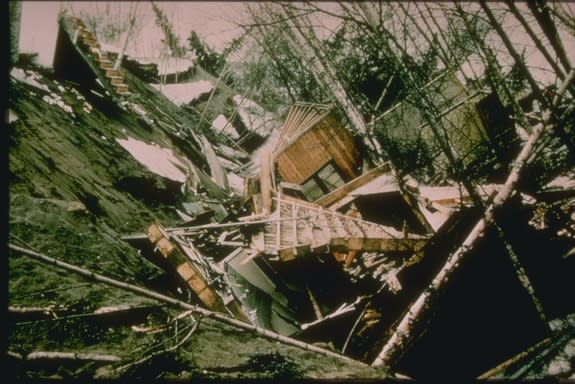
{"type": "Point", "coordinates": [266, 181]}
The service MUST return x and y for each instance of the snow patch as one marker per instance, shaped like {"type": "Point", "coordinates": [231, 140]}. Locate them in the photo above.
{"type": "Point", "coordinates": [161, 161]}
{"type": "Point", "coordinates": [28, 77]}
{"type": "Point", "coordinates": [223, 126]}
{"type": "Point", "coordinates": [54, 99]}
{"type": "Point", "coordinates": [558, 367]}
{"type": "Point", "coordinates": [255, 118]}
{"type": "Point", "coordinates": [236, 183]}
{"type": "Point", "coordinates": [184, 93]}
{"type": "Point", "coordinates": [12, 116]}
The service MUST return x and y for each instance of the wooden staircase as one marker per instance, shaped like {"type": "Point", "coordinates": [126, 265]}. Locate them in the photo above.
{"type": "Point", "coordinates": [88, 43]}
{"type": "Point", "coordinates": [297, 228]}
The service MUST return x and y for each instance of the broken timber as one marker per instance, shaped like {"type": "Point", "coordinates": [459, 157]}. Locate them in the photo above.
{"type": "Point", "coordinates": [336, 195]}
{"type": "Point", "coordinates": [193, 276]}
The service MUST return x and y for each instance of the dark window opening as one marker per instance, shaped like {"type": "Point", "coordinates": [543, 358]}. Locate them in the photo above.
{"type": "Point", "coordinates": [322, 182]}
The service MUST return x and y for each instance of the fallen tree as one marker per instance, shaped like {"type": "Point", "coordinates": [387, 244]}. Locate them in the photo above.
{"type": "Point", "coordinates": [178, 303]}
{"type": "Point", "coordinates": [66, 356]}
{"type": "Point", "coordinates": [407, 328]}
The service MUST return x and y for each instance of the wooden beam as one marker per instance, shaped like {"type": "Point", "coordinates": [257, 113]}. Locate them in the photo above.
{"type": "Point", "coordinates": [266, 181]}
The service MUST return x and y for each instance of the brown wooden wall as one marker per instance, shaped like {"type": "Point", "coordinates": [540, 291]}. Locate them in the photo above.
{"type": "Point", "coordinates": [325, 141]}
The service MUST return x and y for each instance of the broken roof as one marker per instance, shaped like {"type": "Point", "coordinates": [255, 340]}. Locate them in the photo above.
{"type": "Point", "coordinates": [300, 118]}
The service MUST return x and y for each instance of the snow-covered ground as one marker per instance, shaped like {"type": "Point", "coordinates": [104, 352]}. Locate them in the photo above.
{"type": "Point", "coordinates": [161, 161]}
{"type": "Point", "coordinates": [184, 93]}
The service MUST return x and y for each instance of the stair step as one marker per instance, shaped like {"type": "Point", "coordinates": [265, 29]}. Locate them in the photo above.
{"type": "Point", "coordinates": [123, 93]}
{"type": "Point", "coordinates": [85, 34]}
{"type": "Point", "coordinates": [102, 58]}
{"type": "Point", "coordinates": [90, 43]}
{"type": "Point", "coordinates": [106, 65]}
{"type": "Point", "coordinates": [116, 81]}
{"type": "Point", "coordinates": [77, 21]}
{"type": "Point", "coordinates": [121, 87]}
{"type": "Point", "coordinates": [99, 56]}
{"type": "Point", "coordinates": [113, 73]}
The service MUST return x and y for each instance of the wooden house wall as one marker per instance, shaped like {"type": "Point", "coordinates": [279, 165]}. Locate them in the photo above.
{"type": "Point", "coordinates": [324, 142]}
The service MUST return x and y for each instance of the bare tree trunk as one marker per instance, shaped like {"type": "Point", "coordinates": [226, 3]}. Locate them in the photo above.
{"type": "Point", "coordinates": [449, 26]}
{"type": "Point", "coordinates": [494, 75]}
{"type": "Point", "coordinates": [516, 57]}
{"type": "Point", "coordinates": [14, 15]}
{"type": "Point", "coordinates": [407, 329]}
{"type": "Point", "coordinates": [521, 274]}
{"type": "Point", "coordinates": [440, 51]}
{"type": "Point", "coordinates": [67, 356]}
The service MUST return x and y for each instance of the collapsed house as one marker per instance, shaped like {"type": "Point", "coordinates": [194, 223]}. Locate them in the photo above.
{"type": "Point", "coordinates": [268, 263]}
{"type": "Point", "coordinates": [328, 251]}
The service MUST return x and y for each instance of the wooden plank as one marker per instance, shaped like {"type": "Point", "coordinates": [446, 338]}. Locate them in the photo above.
{"type": "Point", "coordinates": [266, 181]}
{"type": "Point", "coordinates": [258, 241]}
{"type": "Point", "coordinates": [294, 221]}
{"type": "Point", "coordinates": [197, 283]}
{"type": "Point", "coordinates": [186, 271]}
{"type": "Point", "coordinates": [338, 226]}
{"type": "Point", "coordinates": [154, 233]}
{"type": "Point", "coordinates": [278, 224]}
{"type": "Point", "coordinates": [211, 300]}
{"type": "Point", "coordinates": [165, 246]}
{"type": "Point", "coordinates": [314, 303]}
{"type": "Point", "coordinates": [353, 228]}
{"type": "Point", "coordinates": [287, 254]}
{"type": "Point", "coordinates": [341, 148]}
{"type": "Point", "coordinates": [305, 232]}
{"type": "Point", "coordinates": [303, 158]}
{"type": "Point", "coordinates": [355, 243]}
{"type": "Point", "coordinates": [399, 245]}
{"type": "Point", "coordinates": [325, 227]}
{"type": "Point", "coordinates": [236, 310]}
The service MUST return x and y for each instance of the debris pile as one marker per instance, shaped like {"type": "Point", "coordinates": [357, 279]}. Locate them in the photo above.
{"type": "Point", "coordinates": [308, 242]}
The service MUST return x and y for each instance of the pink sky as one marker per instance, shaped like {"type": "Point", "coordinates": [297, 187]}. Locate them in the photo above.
{"type": "Point", "coordinates": [39, 27]}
